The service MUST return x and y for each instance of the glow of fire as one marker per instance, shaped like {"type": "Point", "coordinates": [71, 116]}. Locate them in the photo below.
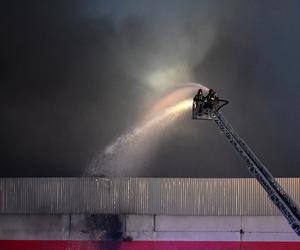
{"type": "Point", "coordinates": [164, 78]}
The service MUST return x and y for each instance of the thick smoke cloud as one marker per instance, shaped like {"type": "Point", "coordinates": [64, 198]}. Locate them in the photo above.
{"type": "Point", "coordinates": [77, 74]}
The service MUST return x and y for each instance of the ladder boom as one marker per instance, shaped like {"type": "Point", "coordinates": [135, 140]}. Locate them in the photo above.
{"type": "Point", "coordinates": [275, 192]}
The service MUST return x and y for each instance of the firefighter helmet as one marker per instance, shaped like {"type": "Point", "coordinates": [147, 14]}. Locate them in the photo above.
{"type": "Point", "coordinates": [211, 92]}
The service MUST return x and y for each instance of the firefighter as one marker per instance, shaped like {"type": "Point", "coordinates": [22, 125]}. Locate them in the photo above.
{"type": "Point", "coordinates": [212, 99]}
{"type": "Point", "coordinates": [198, 100]}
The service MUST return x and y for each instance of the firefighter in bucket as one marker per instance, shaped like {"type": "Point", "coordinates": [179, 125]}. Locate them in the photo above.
{"type": "Point", "coordinates": [206, 104]}
{"type": "Point", "coordinates": [211, 100]}
{"type": "Point", "coordinates": [198, 101]}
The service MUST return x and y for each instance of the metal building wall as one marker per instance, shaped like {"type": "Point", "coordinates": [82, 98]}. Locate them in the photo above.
{"type": "Point", "coordinates": [165, 196]}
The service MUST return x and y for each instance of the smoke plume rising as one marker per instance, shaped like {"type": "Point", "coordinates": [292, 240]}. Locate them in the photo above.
{"type": "Point", "coordinates": [76, 74]}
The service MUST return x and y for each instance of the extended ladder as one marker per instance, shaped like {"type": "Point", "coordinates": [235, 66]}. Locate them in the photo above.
{"type": "Point", "coordinates": [275, 192]}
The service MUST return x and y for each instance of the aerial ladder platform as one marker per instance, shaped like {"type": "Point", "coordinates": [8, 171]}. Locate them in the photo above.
{"type": "Point", "coordinates": [275, 192]}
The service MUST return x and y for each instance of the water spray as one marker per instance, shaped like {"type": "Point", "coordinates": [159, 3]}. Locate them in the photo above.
{"type": "Point", "coordinates": [125, 152]}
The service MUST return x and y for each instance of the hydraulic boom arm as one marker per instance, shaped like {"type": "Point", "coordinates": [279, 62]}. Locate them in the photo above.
{"type": "Point", "coordinates": [275, 192]}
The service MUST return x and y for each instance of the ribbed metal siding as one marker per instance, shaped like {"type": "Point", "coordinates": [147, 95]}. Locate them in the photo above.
{"type": "Point", "coordinates": [178, 196]}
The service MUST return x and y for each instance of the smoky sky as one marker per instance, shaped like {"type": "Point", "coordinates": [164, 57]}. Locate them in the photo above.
{"type": "Point", "coordinates": [74, 76]}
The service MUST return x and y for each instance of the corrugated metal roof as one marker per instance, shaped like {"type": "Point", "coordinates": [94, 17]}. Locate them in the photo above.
{"type": "Point", "coordinates": [167, 196]}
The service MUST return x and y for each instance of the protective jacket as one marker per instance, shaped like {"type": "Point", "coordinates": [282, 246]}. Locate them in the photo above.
{"type": "Point", "coordinates": [199, 98]}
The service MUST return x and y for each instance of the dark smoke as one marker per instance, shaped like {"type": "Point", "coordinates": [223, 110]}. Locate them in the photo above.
{"type": "Point", "coordinates": [73, 78]}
